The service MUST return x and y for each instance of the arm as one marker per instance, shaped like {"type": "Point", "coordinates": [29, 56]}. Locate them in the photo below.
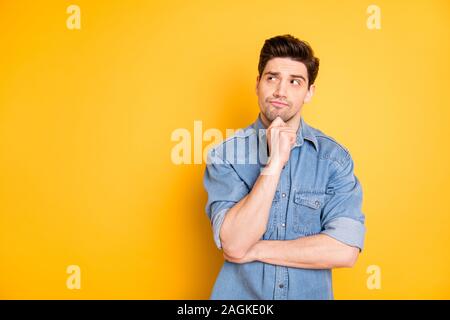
{"type": "Point", "coordinates": [242, 227]}
{"type": "Point", "coordinates": [246, 222]}
{"type": "Point", "coordinates": [314, 252]}
{"type": "Point", "coordinates": [340, 241]}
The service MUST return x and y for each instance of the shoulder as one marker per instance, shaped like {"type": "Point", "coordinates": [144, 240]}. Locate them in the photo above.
{"type": "Point", "coordinates": [329, 148]}
{"type": "Point", "coordinates": [239, 136]}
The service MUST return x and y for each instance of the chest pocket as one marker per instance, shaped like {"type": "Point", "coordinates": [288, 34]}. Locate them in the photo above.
{"type": "Point", "coordinates": [307, 212]}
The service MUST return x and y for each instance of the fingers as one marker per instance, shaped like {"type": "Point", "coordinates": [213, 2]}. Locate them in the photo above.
{"type": "Point", "coordinates": [287, 129]}
{"type": "Point", "coordinates": [275, 131]}
{"type": "Point", "coordinates": [291, 134]}
{"type": "Point", "coordinates": [278, 122]}
{"type": "Point", "coordinates": [280, 132]}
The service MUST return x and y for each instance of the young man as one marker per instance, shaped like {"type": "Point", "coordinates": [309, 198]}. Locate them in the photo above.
{"type": "Point", "coordinates": [284, 223]}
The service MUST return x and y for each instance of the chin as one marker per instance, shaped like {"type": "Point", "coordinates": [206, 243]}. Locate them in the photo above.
{"type": "Point", "coordinates": [281, 113]}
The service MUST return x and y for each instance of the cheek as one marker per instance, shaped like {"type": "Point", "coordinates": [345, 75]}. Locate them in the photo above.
{"type": "Point", "coordinates": [299, 96]}
{"type": "Point", "coordinates": [264, 92]}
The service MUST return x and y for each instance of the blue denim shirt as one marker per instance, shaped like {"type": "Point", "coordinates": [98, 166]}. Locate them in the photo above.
{"type": "Point", "coordinates": [317, 193]}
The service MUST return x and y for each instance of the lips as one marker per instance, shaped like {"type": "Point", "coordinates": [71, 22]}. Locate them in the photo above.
{"type": "Point", "coordinates": [278, 103]}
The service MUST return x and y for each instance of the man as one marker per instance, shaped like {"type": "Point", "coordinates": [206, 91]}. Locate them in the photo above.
{"type": "Point", "coordinates": [284, 223]}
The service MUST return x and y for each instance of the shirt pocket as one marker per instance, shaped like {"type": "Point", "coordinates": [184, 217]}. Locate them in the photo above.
{"type": "Point", "coordinates": [307, 212]}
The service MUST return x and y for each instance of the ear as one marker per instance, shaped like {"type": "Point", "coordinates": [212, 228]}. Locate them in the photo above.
{"type": "Point", "coordinates": [310, 93]}
{"type": "Point", "coordinates": [257, 83]}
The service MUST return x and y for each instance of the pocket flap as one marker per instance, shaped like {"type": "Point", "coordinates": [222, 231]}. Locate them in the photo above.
{"type": "Point", "coordinates": [311, 200]}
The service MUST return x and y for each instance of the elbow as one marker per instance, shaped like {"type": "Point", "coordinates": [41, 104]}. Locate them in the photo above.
{"type": "Point", "coordinates": [232, 246]}
{"type": "Point", "coordinates": [350, 257]}
{"type": "Point", "coordinates": [234, 249]}
{"type": "Point", "coordinates": [234, 252]}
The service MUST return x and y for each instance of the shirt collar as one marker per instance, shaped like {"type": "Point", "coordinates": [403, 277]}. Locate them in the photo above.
{"type": "Point", "coordinates": [304, 132]}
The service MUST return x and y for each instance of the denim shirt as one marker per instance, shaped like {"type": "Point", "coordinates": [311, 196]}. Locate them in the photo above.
{"type": "Point", "coordinates": [317, 193]}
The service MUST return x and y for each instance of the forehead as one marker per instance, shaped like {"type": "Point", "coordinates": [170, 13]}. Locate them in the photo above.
{"type": "Point", "coordinates": [286, 66]}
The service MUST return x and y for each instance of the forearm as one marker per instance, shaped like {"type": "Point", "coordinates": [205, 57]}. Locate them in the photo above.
{"type": "Point", "coordinates": [314, 252]}
{"type": "Point", "coordinates": [246, 222]}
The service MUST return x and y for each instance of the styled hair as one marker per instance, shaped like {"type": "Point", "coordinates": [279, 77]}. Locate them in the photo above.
{"type": "Point", "coordinates": [287, 46]}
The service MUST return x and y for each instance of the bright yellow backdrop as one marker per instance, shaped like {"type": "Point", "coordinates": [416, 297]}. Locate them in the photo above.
{"type": "Point", "coordinates": [86, 118]}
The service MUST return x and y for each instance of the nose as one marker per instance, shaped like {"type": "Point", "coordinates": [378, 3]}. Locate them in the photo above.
{"type": "Point", "coordinates": [280, 90]}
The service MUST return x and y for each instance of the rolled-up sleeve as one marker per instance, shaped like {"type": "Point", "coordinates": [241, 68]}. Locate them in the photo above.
{"type": "Point", "coordinates": [342, 217]}
{"type": "Point", "coordinates": [224, 187]}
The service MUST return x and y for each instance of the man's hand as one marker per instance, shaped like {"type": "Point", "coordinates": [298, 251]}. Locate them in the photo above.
{"type": "Point", "coordinates": [280, 138]}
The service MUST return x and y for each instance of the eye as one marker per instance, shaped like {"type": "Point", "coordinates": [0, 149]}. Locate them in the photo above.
{"type": "Point", "coordinates": [270, 78]}
{"type": "Point", "coordinates": [297, 82]}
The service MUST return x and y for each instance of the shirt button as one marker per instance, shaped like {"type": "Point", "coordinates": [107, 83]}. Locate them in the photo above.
{"type": "Point", "coordinates": [281, 286]}
{"type": "Point", "coordinates": [317, 203]}
{"type": "Point", "coordinates": [283, 195]}
{"type": "Point", "coordinates": [283, 225]}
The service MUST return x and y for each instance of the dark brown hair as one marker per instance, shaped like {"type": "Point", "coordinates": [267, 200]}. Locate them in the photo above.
{"type": "Point", "coordinates": [287, 46]}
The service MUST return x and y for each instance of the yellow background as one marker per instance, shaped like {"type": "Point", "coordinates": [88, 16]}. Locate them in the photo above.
{"type": "Point", "coordinates": [86, 118]}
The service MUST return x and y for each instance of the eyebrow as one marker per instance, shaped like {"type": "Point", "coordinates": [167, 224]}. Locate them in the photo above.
{"type": "Point", "coordinates": [292, 75]}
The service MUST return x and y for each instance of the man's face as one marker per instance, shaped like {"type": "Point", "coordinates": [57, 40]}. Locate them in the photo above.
{"type": "Point", "coordinates": [284, 81]}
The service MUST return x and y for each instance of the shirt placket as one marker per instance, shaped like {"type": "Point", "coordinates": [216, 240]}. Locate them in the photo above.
{"type": "Point", "coordinates": [281, 273]}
